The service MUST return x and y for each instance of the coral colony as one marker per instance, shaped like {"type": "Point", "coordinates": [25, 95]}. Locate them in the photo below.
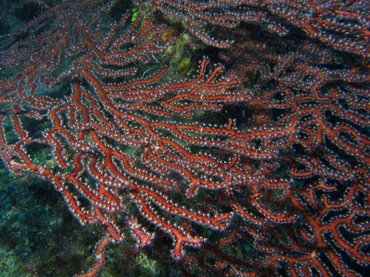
{"type": "Point", "coordinates": [270, 151]}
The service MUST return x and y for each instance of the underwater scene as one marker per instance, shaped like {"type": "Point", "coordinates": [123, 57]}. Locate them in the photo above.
{"type": "Point", "coordinates": [184, 138]}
